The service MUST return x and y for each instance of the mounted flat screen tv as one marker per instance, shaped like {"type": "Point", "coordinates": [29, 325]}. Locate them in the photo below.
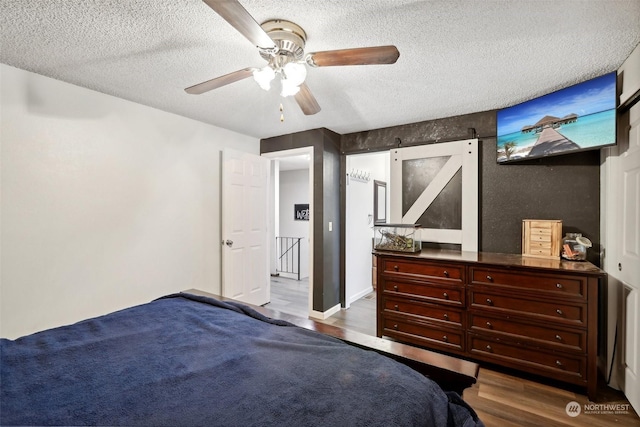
{"type": "Point", "coordinates": [577, 118]}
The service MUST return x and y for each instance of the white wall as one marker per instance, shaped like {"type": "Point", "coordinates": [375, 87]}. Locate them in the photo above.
{"type": "Point", "coordinates": [294, 189]}
{"type": "Point", "coordinates": [105, 203]}
{"type": "Point", "coordinates": [630, 72]}
{"type": "Point", "coordinates": [359, 225]}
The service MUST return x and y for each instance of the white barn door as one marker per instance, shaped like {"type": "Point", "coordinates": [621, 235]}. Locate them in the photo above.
{"type": "Point", "coordinates": [245, 249]}
{"type": "Point", "coordinates": [436, 185]}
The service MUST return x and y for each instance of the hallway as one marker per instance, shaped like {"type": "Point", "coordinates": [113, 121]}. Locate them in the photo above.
{"type": "Point", "coordinates": [292, 296]}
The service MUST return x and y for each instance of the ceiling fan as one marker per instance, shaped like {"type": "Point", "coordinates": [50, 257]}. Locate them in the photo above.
{"type": "Point", "coordinates": [281, 43]}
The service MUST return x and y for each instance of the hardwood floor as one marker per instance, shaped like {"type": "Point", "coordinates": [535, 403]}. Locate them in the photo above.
{"type": "Point", "coordinates": [292, 297]}
{"type": "Point", "coordinates": [499, 397]}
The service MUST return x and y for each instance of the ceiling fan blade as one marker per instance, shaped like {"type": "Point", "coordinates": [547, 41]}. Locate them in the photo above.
{"type": "Point", "coordinates": [220, 81]}
{"type": "Point", "coordinates": [357, 56]}
{"type": "Point", "coordinates": [307, 101]}
{"type": "Point", "coordinates": [236, 15]}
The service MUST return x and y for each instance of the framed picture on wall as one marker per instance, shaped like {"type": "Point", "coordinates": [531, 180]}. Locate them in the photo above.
{"type": "Point", "coordinates": [301, 212]}
{"type": "Point", "coordinates": [379, 202]}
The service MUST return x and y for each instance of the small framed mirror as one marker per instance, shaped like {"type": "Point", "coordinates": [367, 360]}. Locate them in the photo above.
{"type": "Point", "coordinates": [379, 202]}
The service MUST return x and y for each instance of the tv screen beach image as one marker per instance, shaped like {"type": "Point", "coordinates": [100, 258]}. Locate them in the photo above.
{"type": "Point", "coordinates": [577, 118]}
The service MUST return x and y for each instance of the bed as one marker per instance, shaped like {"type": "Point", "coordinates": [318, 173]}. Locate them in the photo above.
{"type": "Point", "coordinates": [188, 359]}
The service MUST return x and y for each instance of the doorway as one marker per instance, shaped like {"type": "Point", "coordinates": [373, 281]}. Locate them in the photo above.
{"type": "Point", "coordinates": [292, 178]}
{"type": "Point", "coordinates": [363, 171]}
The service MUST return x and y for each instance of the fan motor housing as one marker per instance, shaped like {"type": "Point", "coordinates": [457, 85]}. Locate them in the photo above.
{"type": "Point", "coordinates": [288, 36]}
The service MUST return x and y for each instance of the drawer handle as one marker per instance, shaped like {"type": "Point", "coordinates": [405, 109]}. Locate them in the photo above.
{"type": "Point", "coordinates": [558, 337]}
{"type": "Point", "coordinates": [395, 327]}
{"type": "Point", "coordinates": [558, 363]}
{"type": "Point", "coordinates": [489, 301]}
{"type": "Point", "coordinates": [446, 273]}
{"type": "Point", "coordinates": [396, 268]}
{"type": "Point", "coordinates": [395, 307]}
{"type": "Point", "coordinates": [395, 287]}
{"type": "Point", "coordinates": [489, 325]}
{"type": "Point", "coordinates": [446, 316]}
{"type": "Point", "coordinates": [445, 295]}
{"type": "Point", "coordinates": [445, 338]}
{"type": "Point", "coordinates": [559, 285]}
{"type": "Point", "coordinates": [489, 348]}
{"type": "Point", "coordinates": [489, 278]}
{"type": "Point", "coordinates": [560, 312]}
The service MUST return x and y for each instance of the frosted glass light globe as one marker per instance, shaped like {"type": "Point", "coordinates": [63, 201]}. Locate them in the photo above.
{"type": "Point", "coordinates": [264, 76]}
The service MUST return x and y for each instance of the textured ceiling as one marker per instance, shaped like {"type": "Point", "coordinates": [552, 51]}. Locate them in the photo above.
{"type": "Point", "coordinates": [456, 56]}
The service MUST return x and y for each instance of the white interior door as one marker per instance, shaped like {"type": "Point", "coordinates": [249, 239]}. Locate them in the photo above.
{"type": "Point", "coordinates": [629, 258]}
{"type": "Point", "coordinates": [245, 252]}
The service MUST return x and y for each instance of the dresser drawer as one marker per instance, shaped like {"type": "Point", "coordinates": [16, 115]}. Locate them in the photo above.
{"type": "Point", "coordinates": [535, 314]}
{"type": "Point", "coordinates": [406, 329]}
{"type": "Point", "coordinates": [540, 309]}
{"type": "Point", "coordinates": [560, 286]}
{"type": "Point", "coordinates": [423, 292]}
{"type": "Point", "coordinates": [540, 248]}
{"type": "Point", "coordinates": [425, 271]}
{"type": "Point", "coordinates": [430, 312]}
{"type": "Point", "coordinates": [553, 338]}
{"type": "Point", "coordinates": [556, 365]}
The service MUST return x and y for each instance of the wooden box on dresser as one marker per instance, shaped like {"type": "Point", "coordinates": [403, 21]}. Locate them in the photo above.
{"type": "Point", "coordinates": [536, 315]}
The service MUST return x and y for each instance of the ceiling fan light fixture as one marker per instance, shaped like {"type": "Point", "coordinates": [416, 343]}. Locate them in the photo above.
{"type": "Point", "coordinates": [264, 76]}
{"type": "Point", "coordinates": [289, 88]}
{"type": "Point", "coordinates": [295, 72]}
{"type": "Point", "coordinates": [281, 43]}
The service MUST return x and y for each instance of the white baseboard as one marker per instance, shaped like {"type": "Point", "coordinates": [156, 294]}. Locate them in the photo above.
{"type": "Point", "coordinates": [359, 295]}
{"type": "Point", "coordinates": [326, 314]}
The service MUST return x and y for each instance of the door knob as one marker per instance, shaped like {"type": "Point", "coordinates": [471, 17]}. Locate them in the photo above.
{"type": "Point", "coordinates": [229, 242]}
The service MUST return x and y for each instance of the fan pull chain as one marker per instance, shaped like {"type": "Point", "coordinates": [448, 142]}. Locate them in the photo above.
{"type": "Point", "coordinates": [281, 114]}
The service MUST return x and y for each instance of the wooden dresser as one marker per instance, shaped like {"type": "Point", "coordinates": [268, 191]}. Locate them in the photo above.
{"type": "Point", "coordinates": [535, 315]}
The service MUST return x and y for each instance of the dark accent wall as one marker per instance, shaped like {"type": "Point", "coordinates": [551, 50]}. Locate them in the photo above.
{"type": "Point", "coordinates": [326, 208]}
{"type": "Point", "coordinates": [432, 131]}
{"type": "Point", "coordinates": [333, 240]}
{"type": "Point", "coordinates": [564, 187]}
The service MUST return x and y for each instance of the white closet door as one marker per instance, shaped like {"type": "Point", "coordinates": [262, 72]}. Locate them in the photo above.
{"type": "Point", "coordinates": [629, 256]}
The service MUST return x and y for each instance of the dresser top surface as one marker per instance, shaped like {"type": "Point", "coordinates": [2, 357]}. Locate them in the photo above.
{"type": "Point", "coordinates": [498, 259]}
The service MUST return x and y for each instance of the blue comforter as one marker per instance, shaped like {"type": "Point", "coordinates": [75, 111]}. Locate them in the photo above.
{"type": "Point", "coordinates": [185, 360]}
